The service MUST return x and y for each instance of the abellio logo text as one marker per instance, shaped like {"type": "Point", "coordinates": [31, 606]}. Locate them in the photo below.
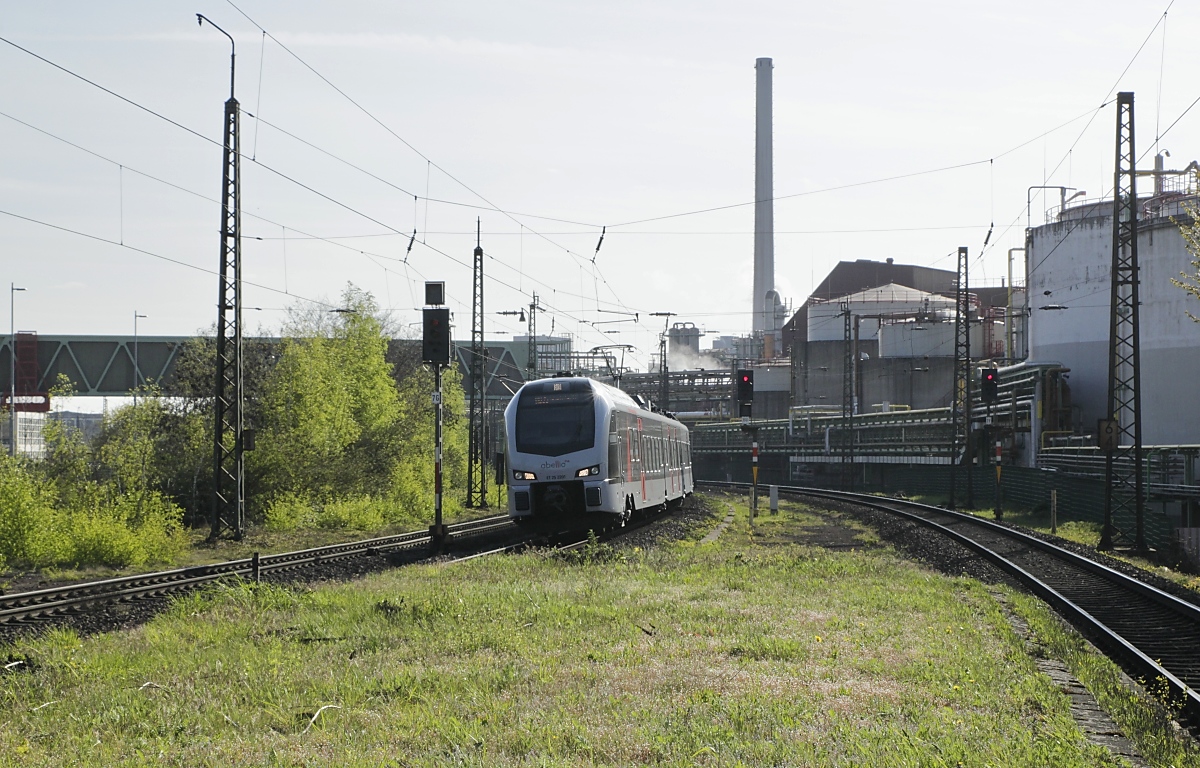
{"type": "Point", "coordinates": [556, 464]}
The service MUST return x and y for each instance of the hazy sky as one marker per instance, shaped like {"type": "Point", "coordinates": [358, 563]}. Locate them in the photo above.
{"type": "Point", "coordinates": [567, 116]}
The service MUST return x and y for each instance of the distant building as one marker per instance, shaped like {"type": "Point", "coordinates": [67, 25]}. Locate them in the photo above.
{"type": "Point", "coordinates": [31, 442]}
{"type": "Point", "coordinates": [901, 331]}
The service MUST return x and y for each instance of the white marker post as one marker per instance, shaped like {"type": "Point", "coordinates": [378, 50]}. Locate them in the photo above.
{"type": "Point", "coordinates": [754, 487]}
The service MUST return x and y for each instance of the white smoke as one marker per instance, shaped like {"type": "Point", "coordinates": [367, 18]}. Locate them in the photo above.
{"type": "Point", "coordinates": [687, 359]}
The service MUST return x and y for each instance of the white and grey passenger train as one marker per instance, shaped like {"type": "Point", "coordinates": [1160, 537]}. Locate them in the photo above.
{"type": "Point", "coordinates": [582, 454]}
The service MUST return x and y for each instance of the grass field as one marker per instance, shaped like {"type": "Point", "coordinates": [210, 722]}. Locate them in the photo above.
{"type": "Point", "coordinates": [759, 649]}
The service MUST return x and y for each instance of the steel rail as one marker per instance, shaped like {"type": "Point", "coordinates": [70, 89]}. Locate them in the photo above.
{"type": "Point", "coordinates": [44, 602]}
{"type": "Point", "coordinates": [1130, 652]}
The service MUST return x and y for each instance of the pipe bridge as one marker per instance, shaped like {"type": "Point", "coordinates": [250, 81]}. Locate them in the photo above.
{"type": "Point", "coordinates": [96, 365]}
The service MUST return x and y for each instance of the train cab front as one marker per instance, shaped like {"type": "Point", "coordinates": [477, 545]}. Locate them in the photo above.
{"type": "Point", "coordinates": [573, 500]}
{"type": "Point", "coordinates": [557, 470]}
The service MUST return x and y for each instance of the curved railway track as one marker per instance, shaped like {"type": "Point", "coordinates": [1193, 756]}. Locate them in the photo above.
{"type": "Point", "coordinates": [25, 606]}
{"type": "Point", "coordinates": [1152, 633]}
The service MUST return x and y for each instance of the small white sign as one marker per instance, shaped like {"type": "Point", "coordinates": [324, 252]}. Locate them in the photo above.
{"type": "Point", "coordinates": [437, 398]}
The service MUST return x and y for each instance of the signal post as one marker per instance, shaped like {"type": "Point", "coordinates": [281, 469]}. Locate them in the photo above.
{"type": "Point", "coordinates": [745, 399]}
{"type": "Point", "coordinates": [989, 392]}
{"type": "Point", "coordinates": [435, 351]}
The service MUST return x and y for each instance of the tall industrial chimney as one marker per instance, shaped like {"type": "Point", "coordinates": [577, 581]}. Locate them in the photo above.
{"type": "Point", "coordinates": [764, 209]}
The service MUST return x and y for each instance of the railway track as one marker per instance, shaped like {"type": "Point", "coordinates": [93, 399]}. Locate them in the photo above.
{"type": "Point", "coordinates": [24, 608]}
{"type": "Point", "coordinates": [1151, 633]}
{"type": "Point", "coordinates": [74, 598]}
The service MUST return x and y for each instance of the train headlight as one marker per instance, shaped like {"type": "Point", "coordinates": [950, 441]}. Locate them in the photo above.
{"type": "Point", "coordinates": [519, 475]}
{"type": "Point", "coordinates": [594, 470]}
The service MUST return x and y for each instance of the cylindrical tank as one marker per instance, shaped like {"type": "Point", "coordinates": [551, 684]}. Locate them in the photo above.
{"type": "Point", "coordinates": [684, 337]}
{"type": "Point", "coordinates": [1069, 262]}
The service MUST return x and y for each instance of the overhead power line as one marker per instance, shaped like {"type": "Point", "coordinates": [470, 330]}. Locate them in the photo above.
{"type": "Point", "coordinates": [370, 115]}
{"type": "Point", "coordinates": [159, 256]}
{"type": "Point", "coordinates": [298, 183]}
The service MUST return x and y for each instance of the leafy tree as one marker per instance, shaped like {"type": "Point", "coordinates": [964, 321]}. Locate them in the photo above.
{"type": "Point", "coordinates": [339, 426]}
{"type": "Point", "coordinates": [193, 379]}
{"type": "Point", "coordinates": [1191, 238]}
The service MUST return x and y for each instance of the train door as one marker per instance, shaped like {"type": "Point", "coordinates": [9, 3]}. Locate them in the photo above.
{"type": "Point", "coordinates": [675, 461]}
{"type": "Point", "coordinates": [614, 448]}
{"type": "Point", "coordinates": [641, 464]}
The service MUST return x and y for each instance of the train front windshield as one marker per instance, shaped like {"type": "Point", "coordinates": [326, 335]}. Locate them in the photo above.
{"type": "Point", "coordinates": [555, 418]}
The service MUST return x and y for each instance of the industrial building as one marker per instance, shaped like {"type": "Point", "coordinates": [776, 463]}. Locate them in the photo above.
{"type": "Point", "coordinates": [893, 325]}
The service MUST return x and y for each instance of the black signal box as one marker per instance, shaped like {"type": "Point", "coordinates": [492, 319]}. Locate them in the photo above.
{"type": "Point", "coordinates": [745, 386]}
{"type": "Point", "coordinates": [989, 385]}
{"type": "Point", "coordinates": [435, 336]}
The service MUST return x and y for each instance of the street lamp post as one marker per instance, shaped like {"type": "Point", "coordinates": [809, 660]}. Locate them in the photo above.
{"type": "Point", "coordinates": [12, 373]}
{"type": "Point", "coordinates": [137, 371]}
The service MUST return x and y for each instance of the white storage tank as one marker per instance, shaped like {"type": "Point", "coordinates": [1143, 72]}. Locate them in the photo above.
{"type": "Point", "coordinates": [1068, 274]}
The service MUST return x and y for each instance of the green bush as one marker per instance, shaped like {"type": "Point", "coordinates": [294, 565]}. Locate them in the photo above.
{"type": "Point", "coordinates": [360, 513]}
{"type": "Point", "coordinates": [38, 528]}
{"type": "Point", "coordinates": [30, 526]}
{"type": "Point", "coordinates": [345, 429]}
{"type": "Point", "coordinates": [124, 531]}
{"type": "Point", "coordinates": [287, 512]}
{"type": "Point", "coordinates": [97, 538]}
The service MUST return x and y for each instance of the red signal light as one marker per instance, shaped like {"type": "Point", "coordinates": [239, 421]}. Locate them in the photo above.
{"type": "Point", "coordinates": [989, 391]}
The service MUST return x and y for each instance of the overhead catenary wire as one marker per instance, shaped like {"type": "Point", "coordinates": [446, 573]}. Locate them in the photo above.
{"type": "Point", "coordinates": [713, 209]}
{"type": "Point", "coordinates": [1104, 103]}
{"type": "Point", "coordinates": [1091, 112]}
{"type": "Point", "coordinates": [430, 163]}
{"type": "Point", "coordinates": [277, 172]}
{"type": "Point", "coordinates": [677, 233]}
{"type": "Point", "coordinates": [373, 257]}
{"type": "Point", "coordinates": [405, 142]}
{"type": "Point", "coordinates": [1106, 198]}
{"type": "Point", "coordinates": [168, 259]}
{"type": "Point", "coordinates": [406, 234]}
{"type": "Point", "coordinates": [174, 261]}
{"type": "Point", "coordinates": [262, 57]}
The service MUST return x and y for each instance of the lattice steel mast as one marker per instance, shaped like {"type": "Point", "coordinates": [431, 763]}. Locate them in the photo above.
{"type": "Point", "coordinates": [477, 434]}
{"type": "Point", "coordinates": [961, 408]}
{"type": "Point", "coordinates": [664, 387]}
{"type": "Point", "coordinates": [531, 361]}
{"type": "Point", "coordinates": [229, 480]}
{"type": "Point", "coordinates": [1124, 484]}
